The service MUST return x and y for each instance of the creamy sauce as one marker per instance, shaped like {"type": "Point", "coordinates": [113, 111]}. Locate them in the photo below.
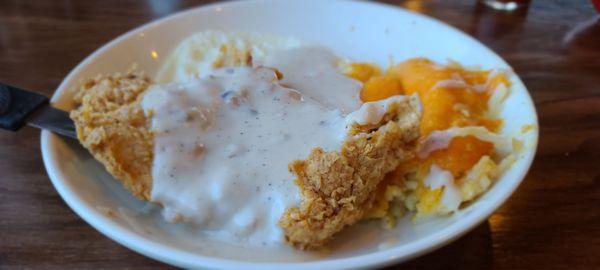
{"type": "Point", "coordinates": [454, 83]}
{"type": "Point", "coordinates": [371, 113]}
{"type": "Point", "coordinates": [438, 178]}
{"type": "Point", "coordinates": [312, 71]}
{"type": "Point", "coordinates": [222, 149]}
{"type": "Point", "coordinates": [440, 139]}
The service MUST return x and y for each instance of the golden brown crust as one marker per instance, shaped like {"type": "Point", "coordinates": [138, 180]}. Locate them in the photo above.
{"type": "Point", "coordinates": [111, 124]}
{"type": "Point", "coordinates": [338, 187]}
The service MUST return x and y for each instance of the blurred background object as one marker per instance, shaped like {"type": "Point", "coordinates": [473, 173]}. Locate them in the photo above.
{"type": "Point", "coordinates": [506, 4]}
{"type": "Point", "coordinates": [489, 24]}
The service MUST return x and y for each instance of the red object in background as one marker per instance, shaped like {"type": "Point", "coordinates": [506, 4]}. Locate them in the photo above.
{"type": "Point", "coordinates": [596, 4]}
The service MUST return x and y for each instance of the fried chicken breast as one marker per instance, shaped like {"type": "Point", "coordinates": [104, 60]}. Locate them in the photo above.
{"type": "Point", "coordinates": [338, 188]}
{"type": "Point", "coordinates": [112, 125]}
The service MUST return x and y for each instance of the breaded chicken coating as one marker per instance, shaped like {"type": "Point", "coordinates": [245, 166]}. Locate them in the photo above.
{"type": "Point", "coordinates": [338, 187]}
{"type": "Point", "coordinates": [112, 125]}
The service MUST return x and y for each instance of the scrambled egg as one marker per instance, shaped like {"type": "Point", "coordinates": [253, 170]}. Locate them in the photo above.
{"type": "Point", "coordinates": [452, 97]}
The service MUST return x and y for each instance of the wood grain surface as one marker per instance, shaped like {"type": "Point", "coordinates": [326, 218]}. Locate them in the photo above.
{"type": "Point", "coordinates": [551, 222]}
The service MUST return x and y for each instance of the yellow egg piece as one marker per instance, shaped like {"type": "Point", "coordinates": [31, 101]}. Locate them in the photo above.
{"type": "Point", "coordinates": [380, 87]}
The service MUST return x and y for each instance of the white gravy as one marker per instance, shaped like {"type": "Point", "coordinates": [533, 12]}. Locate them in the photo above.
{"type": "Point", "coordinates": [312, 71]}
{"type": "Point", "coordinates": [223, 145]}
{"type": "Point", "coordinates": [437, 178]}
{"type": "Point", "coordinates": [440, 139]}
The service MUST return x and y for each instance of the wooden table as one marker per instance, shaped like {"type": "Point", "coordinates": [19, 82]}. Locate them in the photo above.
{"type": "Point", "coordinates": [551, 222]}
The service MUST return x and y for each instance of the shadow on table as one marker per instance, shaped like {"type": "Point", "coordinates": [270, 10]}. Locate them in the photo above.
{"type": "Point", "coordinates": [472, 251]}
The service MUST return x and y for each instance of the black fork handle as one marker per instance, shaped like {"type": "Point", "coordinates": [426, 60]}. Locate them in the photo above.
{"type": "Point", "coordinates": [16, 105]}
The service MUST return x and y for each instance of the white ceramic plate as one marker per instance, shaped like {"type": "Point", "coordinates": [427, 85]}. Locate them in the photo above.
{"type": "Point", "coordinates": [358, 30]}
